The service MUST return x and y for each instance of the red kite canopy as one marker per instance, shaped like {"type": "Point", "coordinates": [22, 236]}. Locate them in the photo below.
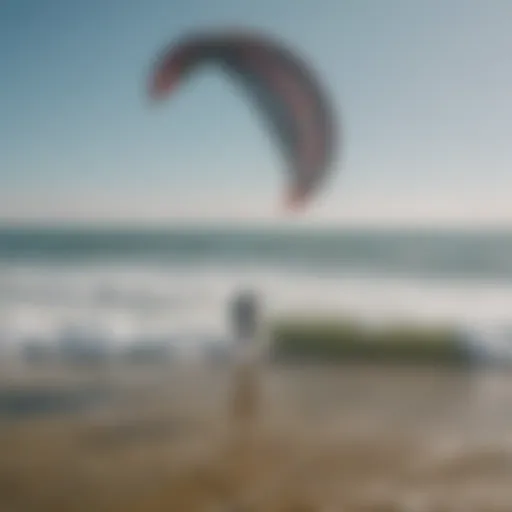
{"type": "Point", "coordinates": [283, 88]}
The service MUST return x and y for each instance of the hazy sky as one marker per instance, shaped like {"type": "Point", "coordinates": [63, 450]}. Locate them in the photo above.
{"type": "Point", "coordinates": [423, 90]}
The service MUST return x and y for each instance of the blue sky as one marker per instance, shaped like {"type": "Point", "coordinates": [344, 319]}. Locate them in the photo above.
{"type": "Point", "coordinates": [423, 90]}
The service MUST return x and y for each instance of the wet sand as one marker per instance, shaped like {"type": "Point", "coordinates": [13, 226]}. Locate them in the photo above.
{"type": "Point", "coordinates": [324, 439]}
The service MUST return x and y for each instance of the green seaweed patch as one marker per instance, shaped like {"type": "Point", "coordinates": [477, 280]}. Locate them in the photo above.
{"type": "Point", "coordinates": [333, 340]}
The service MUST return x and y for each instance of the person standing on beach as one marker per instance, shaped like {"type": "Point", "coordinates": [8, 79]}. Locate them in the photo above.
{"type": "Point", "coordinates": [246, 324]}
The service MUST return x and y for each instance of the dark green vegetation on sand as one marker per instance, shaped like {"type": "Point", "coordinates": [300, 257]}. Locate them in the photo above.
{"type": "Point", "coordinates": [339, 340]}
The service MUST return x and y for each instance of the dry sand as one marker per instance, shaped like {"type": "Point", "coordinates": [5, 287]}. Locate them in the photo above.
{"type": "Point", "coordinates": [322, 439]}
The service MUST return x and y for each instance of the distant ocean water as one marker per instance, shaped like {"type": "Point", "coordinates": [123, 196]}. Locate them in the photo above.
{"type": "Point", "coordinates": [131, 285]}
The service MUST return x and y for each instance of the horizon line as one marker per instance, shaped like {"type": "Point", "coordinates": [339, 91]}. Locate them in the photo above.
{"type": "Point", "coordinates": [245, 224]}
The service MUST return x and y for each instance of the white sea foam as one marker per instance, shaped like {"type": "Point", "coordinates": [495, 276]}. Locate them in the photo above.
{"type": "Point", "coordinates": [128, 303]}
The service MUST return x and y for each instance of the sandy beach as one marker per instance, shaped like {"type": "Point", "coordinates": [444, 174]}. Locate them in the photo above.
{"type": "Point", "coordinates": [325, 438]}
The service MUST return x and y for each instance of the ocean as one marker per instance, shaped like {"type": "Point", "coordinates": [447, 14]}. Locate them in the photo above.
{"type": "Point", "coordinates": [449, 429]}
{"type": "Point", "coordinates": [128, 285]}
